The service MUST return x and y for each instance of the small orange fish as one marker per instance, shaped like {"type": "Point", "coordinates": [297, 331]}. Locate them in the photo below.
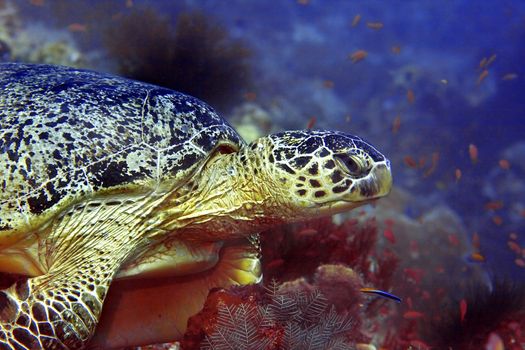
{"type": "Point", "coordinates": [494, 205]}
{"type": "Point", "coordinates": [356, 20]}
{"type": "Point", "coordinates": [357, 56]}
{"type": "Point", "coordinates": [410, 96]}
{"type": "Point", "coordinates": [504, 164]}
{"type": "Point", "coordinates": [422, 161]}
{"type": "Point", "coordinates": [462, 309]}
{"type": "Point", "coordinates": [515, 247]}
{"type": "Point", "coordinates": [482, 76]}
{"type": "Point", "coordinates": [522, 213]}
{"type": "Point", "coordinates": [473, 153]}
{"type": "Point", "coordinates": [483, 63]}
{"type": "Point", "coordinates": [396, 124]}
{"type": "Point", "coordinates": [396, 50]}
{"type": "Point", "coordinates": [497, 220]}
{"type": "Point", "coordinates": [433, 166]}
{"type": "Point", "coordinates": [477, 257]}
{"type": "Point", "coordinates": [520, 262]}
{"type": "Point", "coordinates": [250, 96]}
{"type": "Point", "coordinates": [491, 59]}
{"type": "Point", "coordinates": [307, 232]}
{"type": "Point", "coordinates": [410, 162]}
{"type": "Point", "coordinates": [328, 84]}
{"type": "Point", "coordinates": [303, 2]}
{"type": "Point", "coordinates": [412, 315]}
{"type": "Point", "coordinates": [457, 174]}
{"type": "Point", "coordinates": [389, 235]}
{"type": "Point", "coordinates": [509, 76]}
{"type": "Point", "coordinates": [375, 25]}
{"type": "Point", "coordinates": [311, 122]}
{"type": "Point", "coordinates": [129, 3]}
{"type": "Point", "coordinates": [77, 27]}
{"type": "Point", "coordinates": [513, 235]}
{"type": "Point", "coordinates": [409, 303]}
{"type": "Point", "coordinates": [37, 2]}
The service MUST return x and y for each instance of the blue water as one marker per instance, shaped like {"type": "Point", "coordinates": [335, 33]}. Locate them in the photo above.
{"type": "Point", "coordinates": [298, 46]}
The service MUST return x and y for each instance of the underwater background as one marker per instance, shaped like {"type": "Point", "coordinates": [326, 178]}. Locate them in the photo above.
{"type": "Point", "coordinates": [437, 86]}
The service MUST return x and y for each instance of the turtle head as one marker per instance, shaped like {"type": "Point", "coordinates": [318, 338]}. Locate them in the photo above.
{"type": "Point", "coordinates": [283, 177]}
{"type": "Point", "coordinates": [324, 172]}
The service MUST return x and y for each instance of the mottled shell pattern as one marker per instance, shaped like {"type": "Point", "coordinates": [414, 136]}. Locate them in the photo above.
{"type": "Point", "coordinates": [67, 133]}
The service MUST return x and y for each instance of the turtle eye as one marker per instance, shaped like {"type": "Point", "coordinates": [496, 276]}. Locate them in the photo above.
{"type": "Point", "coordinates": [350, 164]}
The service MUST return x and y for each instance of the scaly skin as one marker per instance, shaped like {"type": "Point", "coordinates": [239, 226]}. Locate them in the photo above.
{"type": "Point", "coordinates": [277, 179]}
{"type": "Point", "coordinates": [101, 170]}
{"type": "Point", "coordinates": [60, 310]}
{"type": "Point", "coordinates": [281, 178]}
{"type": "Point", "coordinates": [56, 311]}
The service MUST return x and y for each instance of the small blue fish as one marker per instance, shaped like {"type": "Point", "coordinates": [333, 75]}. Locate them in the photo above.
{"type": "Point", "coordinates": [381, 293]}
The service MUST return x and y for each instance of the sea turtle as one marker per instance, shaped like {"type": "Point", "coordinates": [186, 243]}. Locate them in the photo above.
{"type": "Point", "coordinates": [107, 178]}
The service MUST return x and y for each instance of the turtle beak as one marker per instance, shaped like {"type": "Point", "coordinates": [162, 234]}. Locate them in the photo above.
{"type": "Point", "coordinates": [376, 184]}
{"type": "Point", "coordinates": [381, 178]}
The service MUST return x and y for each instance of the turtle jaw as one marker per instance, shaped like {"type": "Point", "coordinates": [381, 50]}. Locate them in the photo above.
{"type": "Point", "coordinates": [375, 185]}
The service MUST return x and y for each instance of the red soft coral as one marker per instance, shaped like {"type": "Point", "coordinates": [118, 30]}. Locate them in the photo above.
{"type": "Point", "coordinates": [295, 251]}
{"type": "Point", "coordinates": [315, 258]}
{"type": "Point", "coordinates": [277, 319]}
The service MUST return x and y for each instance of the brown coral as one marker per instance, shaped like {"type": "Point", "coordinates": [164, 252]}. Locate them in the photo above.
{"type": "Point", "coordinates": [197, 56]}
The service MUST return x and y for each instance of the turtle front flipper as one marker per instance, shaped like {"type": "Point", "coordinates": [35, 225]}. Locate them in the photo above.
{"type": "Point", "coordinates": [61, 309]}
{"type": "Point", "coordinates": [43, 314]}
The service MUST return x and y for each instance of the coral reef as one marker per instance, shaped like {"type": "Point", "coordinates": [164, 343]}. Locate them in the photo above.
{"type": "Point", "coordinates": [247, 318]}
{"type": "Point", "coordinates": [498, 308]}
{"type": "Point", "coordinates": [296, 251]}
{"type": "Point", "coordinates": [435, 88]}
{"type": "Point", "coordinates": [439, 285]}
{"type": "Point", "coordinates": [415, 258]}
{"type": "Point", "coordinates": [317, 260]}
{"type": "Point", "coordinates": [197, 56]}
{"type": "Point", "coordinates": [9, 20]}
{"type": "Point", "coordinates": [251, 121]}
{"type": "Point", "coordinates": [472, 321]}
{"type": "Point", "coordinates": [25, 41]}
